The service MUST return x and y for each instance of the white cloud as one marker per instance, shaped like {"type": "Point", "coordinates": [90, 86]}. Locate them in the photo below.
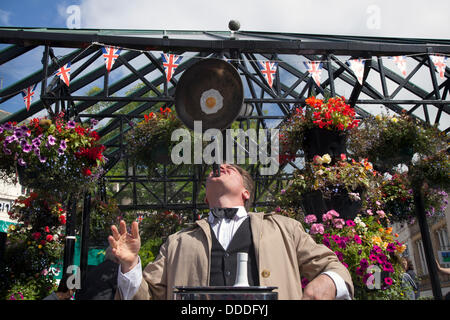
{"type": "Point", "coordinates": [401, 18]}
{"type": "Point", "coordinates": [4, 17]}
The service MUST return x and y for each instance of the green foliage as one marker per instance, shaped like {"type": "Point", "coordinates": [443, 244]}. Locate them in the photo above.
{"type": "Point", "coordinates": [149, 250]}
{"type": "Point", "coordinates": [102, 216]}
{"type": "Point", "coordinates": [31, 288]}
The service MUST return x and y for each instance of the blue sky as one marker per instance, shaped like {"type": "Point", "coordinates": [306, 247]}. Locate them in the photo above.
{"type": "Point", "coordinates": [32, 13]}
{"type": "Point", "coordinates": [400, 18]}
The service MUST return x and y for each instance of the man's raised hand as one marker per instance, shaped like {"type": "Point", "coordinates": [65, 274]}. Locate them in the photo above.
{"type": "Point", "coordinates": [125, 246]}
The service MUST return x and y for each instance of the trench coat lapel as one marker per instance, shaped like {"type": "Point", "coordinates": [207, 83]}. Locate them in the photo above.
{"type": "Point", "coordinates": [256, 219]}
{"type": "Point", "coordinates": [204, 225]}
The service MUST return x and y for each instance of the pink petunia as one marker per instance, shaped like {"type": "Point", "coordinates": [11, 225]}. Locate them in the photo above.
{"type": "Point", "coordinates": [373, 257]}
{"type": "Point", "coordinates": [388, 281]}
{"type": "Point", "coordinates": [357, 239]}
{"type": "Point", "coordinates": [350, 223]}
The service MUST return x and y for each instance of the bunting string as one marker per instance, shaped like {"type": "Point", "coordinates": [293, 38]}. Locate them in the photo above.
{"type": "Point", "coordinates": [268, 68]}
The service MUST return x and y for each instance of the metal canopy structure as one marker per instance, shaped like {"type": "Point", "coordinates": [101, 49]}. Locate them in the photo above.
{"type": "Point", "coordinates": [137, 85]}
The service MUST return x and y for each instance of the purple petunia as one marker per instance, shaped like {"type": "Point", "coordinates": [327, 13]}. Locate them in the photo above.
{"type": "Point", "coordinates": [10, 139]}
{"type": "Point", "coordinates": [7, 151]}
{"type": "Point", "coordinates": [364, 264]}
{"type": "Point", "coordinates": [390, 247]}
{"type": "Point", "coordinates": [21, 162]}
{"type": "Point", "coordinates": [60, 151]}
{"type": "Point", "coordinates": [36, 142]}
{"type": "Point", "coordinates": [63, 145]}
{"type": "Point", "coordinates": [359, 271]}
{"type": "Point", "coordinates": [326, 242]}
{"type": "Point", "coordinates": [26, 147]}
{"type": "Point", "coordinates": [51, 140]}
{"type": "Point", "coordinates": [7, 126]}
{"type": "Point", "coordinates": [71, 124]}
{"type": "Point", "coordinates": [42, 159]}
{"type": "Point", "coordinates": [339, 255]}
{"type": "Point", "coordinates": [19, 133]}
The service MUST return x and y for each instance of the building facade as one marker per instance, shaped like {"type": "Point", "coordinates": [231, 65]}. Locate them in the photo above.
{"type": "Point", "coordinates": [439, 227]}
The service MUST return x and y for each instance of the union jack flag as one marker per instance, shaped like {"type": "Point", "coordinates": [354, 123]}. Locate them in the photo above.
{"type": "Point", "coordinates": [268, 69]}
{"type": "Point", "coordinates": [110, 54]}
{"type": "Point", "coordinates": [170, 63]}
{"type": "Point", "coordinates": [64, 73]}
{"type": "Point", "coordinates": [440, 62]}
{"type": "Point", "coordinates": [400, 61]}
{"type": "Point", "coordinates": [27, 95]}
{"type": "Point", "coordinates": [357, 66]}
{"type": "Point", "coordinates": [315, 70]}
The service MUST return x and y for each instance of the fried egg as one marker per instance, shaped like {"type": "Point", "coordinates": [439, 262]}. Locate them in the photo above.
{"type": "Point", "coordinates": [211, 101]}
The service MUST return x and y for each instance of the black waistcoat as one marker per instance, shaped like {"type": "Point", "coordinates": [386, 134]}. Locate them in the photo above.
{"type": "Point", "coordinates": [224, 262]}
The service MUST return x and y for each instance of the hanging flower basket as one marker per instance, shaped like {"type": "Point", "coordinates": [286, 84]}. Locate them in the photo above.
{"type": "Point", "coordinates": [33, 246]}
{"type": "Point", "coordinates": [321, 127]}
{"type": "Point", "coordinates": [320, 141]}
{"type": "Point", "coordinates": [149, 142]}
{"type": "Point", "coordinates": [322, 186]}
{"type": "Point", "coordinates": [51, 155]}
{"type": "Point", "coordinates": [433, 170]}
{"type": "Point", "coordinates": [347, 205]}
{"type": "Point", "coordinates": [399, 201]}
{"type": "Point", "coordinates": [392, 140]}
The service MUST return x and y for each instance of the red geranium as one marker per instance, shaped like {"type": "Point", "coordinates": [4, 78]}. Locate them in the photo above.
{"type": "Point", "coordinates": [86, 172]}
{"type": "Point", "coordinates": [36, 235]}
{"type": "Point", "coordinates": [62, 219]}
{"type": "Point", "coordinates": [333, 114]}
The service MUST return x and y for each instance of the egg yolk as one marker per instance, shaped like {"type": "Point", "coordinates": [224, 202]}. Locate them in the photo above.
{"type": "Point", "coordinates": [210, 102]}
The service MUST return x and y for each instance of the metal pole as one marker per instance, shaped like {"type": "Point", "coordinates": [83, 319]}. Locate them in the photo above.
{"type": "Point", "coordinates": [427, 245]}
{"type": "Point", "coordinates": [85, 239]}
{"type": "Point", "coordinates": [69, 248]}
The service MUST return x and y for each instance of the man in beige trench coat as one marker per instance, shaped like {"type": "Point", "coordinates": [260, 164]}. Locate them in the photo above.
{"type": "Point", "coordinates": [282, 251]}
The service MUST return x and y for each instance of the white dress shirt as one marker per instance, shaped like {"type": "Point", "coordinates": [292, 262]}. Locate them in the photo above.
{"type": "Point", "coordinates": [224, 230]}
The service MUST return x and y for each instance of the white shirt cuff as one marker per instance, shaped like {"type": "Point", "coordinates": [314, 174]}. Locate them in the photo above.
{"type": "Point", "coordinates": [342, 292]}
{"type": "Point", "coordinates": [128, 283]}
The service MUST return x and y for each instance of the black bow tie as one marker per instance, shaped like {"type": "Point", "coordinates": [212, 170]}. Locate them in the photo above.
{"type": "Point", "coordinates": [220, 213]}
